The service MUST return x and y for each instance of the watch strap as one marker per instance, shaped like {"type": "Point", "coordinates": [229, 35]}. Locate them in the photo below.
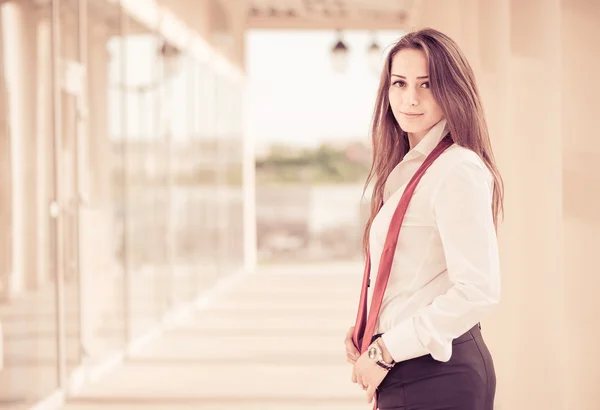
{"type": "Point", "coordinates": [384, 365]}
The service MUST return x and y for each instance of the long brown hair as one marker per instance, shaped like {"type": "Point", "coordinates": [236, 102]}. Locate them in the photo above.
{"type": "Point", "coordinates": [453, 86]}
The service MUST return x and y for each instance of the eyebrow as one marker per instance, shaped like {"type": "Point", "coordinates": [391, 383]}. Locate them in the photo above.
{"type": "Point", "coordinates": [404, 78]}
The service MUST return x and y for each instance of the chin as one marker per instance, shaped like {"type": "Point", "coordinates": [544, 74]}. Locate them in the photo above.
{"type": "Point", "coordinates": [411, 128]}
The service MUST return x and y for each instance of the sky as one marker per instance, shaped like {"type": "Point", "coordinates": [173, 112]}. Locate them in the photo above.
{"type": "Point", "coordinates": [293, 95]}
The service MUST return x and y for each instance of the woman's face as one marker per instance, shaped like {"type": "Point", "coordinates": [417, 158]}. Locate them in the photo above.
{"type": "Point", "coordinates": [410, 95]}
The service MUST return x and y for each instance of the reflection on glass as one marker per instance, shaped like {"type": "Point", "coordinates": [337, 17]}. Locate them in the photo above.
{"type": "Point", "coordinates": [27, 287]}
{"type": "Point", "coordinates": [150, 176]}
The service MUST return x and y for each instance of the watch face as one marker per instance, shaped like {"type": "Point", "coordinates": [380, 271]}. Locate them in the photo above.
{"type": "Point", "coordinates": [372, 353]}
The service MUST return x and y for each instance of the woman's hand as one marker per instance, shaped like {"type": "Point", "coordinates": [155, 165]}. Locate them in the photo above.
{"type": "Point", "coordinates": [352, 353]}
{"type": "Point", "coordinates": [368, 375]}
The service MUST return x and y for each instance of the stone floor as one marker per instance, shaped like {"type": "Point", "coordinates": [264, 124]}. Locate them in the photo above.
{"type": "Point", "coordinates": [273, 341]}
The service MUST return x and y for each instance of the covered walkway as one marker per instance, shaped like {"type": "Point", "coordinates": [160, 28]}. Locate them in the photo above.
{"type": "Point", "coordinates": [128, 191]}
{"type": "Point", "coordinates": [268, 341]}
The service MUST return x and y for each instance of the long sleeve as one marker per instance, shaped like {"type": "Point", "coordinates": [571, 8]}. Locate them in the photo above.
{"type": "Point", "coordinates": [462, 208]}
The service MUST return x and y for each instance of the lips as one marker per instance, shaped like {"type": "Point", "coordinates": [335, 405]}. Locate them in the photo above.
{"type": "Point", "coordinates": [411, 115]}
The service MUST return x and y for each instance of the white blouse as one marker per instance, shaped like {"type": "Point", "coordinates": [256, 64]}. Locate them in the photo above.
{"type": "Point", "coordinates": [445, 275]}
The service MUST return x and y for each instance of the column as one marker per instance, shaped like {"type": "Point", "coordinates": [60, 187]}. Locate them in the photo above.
{"type": "Point", "coordinates": [516, 58]}
{"type": "Point", "coordinates": [19, 46]}
{"type": "Point", "coordinates": [249, 195]}
{"type": "Point", "coordinates": [581, 184]}
{"type": "Point", "coordinates": [43, 142]}
{"type": "Point", "coordinates": [237, 25]}
{"type": "Point", "coordinates": [30, 91]}
{"type": "Point", "coordinates": [534, 136]}
{"type": "Point", "coordinates": [97, 239]}
{"type": "Point", "coordinates": [99, 148]}
{"type": "Point", "coordinates": [5, 177]}
{"type": "Point", "coordinates": [493, 81]}
{"type": "Point", "coordinates": [455, 18]}
{"type": "Point", "coordinates": [68, 170]}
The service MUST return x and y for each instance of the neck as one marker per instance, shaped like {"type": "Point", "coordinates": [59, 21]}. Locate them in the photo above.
{"type": "Point", "coordinates": [414, 138]}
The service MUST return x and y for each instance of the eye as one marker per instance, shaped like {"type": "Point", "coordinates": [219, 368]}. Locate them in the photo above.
{"type": "Point", "coordinates": [399, 83]}
{"type": "Point", "coordinates": [425, 84]}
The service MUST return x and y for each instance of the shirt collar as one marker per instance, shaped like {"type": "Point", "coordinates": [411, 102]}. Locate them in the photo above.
{"type": "Point", "coordinates": [429, 141]}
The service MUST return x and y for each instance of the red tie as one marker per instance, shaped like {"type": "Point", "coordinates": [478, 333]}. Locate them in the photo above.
{"type": "Point", "coordinates": [363, 332]}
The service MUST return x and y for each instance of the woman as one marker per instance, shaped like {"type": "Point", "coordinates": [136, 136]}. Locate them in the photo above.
{"type": "Point", "coordinates": [424, 348]}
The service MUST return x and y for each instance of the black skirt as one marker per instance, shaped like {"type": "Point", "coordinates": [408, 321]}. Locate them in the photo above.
{"type": "Point", "coordinates": [466, 382]}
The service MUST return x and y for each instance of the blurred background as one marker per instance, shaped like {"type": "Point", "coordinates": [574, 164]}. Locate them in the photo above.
{"type": "Point", "coordinates": [182, 203]}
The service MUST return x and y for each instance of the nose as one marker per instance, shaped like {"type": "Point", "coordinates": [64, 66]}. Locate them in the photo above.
{"type": "Point", "coordinates": [411, 96]}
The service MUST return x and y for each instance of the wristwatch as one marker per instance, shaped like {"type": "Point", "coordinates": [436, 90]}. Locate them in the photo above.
{"type": "Point", "coordinates": [376, 355]}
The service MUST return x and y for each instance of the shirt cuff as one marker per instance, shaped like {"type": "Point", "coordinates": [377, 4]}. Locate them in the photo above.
{"type": "Point", "coordinates": [403, 342]}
